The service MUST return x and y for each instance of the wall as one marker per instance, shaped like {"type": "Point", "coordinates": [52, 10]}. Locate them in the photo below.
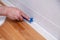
{"type": "Point", "coordinates": [45, 12]}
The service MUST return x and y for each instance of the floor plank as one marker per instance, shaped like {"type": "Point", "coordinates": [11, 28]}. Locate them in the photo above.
{"type": "Point", "coordinates": [13, 30]}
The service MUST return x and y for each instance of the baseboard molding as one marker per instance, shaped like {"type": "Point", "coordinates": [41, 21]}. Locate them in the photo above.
{"type": "Point", "coordinates": [34, 25]}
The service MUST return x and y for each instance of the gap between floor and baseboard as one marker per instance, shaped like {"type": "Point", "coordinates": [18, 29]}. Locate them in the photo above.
{"type": "Point", "coordinates": [34, 25]}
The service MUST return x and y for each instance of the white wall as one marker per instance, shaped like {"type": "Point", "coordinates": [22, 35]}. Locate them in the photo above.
{"type": "Point", "coordinates": [45, 12]}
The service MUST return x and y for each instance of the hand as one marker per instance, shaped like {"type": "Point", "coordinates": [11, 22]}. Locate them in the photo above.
{"type": "Point", "coordinates": [15, 13]}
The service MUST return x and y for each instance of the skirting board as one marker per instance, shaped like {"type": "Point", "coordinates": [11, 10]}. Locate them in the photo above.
{"type": "Point", "coordinates": [35, 25]}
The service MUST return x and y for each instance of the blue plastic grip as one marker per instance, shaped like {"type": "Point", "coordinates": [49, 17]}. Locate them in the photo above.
{"type": "Point", "coordinates": [30, 20]}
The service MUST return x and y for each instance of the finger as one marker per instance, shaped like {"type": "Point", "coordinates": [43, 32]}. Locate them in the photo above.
{"type": "Point", "coordinates": [10, 17]}
{"type": "Point", "coordinates": [20, 18]}
{"type": "Point", "coordinates": [17, 18]}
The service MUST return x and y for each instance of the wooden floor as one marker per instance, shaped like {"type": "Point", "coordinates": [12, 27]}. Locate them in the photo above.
{"type": "Point", "coordinates": [13, 30]}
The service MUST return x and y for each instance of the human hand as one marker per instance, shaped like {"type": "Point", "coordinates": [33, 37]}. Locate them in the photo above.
{"type": "Point", "coordinates": [15, 14]}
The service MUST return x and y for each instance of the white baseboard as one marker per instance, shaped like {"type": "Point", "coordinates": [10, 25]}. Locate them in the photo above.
{"type": "Point", "coordinates": [35, 25]}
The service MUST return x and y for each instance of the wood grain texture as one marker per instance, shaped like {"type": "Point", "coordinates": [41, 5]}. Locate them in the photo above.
{"type": "Point", "coordinates": [13, 30]}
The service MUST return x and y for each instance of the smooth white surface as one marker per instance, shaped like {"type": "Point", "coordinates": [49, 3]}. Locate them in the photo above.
{"type": "Point", "coordinates": [2, 20]}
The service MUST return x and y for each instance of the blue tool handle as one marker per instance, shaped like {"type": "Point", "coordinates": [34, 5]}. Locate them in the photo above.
{"type": "Point", "coordinates": [30, 20]}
